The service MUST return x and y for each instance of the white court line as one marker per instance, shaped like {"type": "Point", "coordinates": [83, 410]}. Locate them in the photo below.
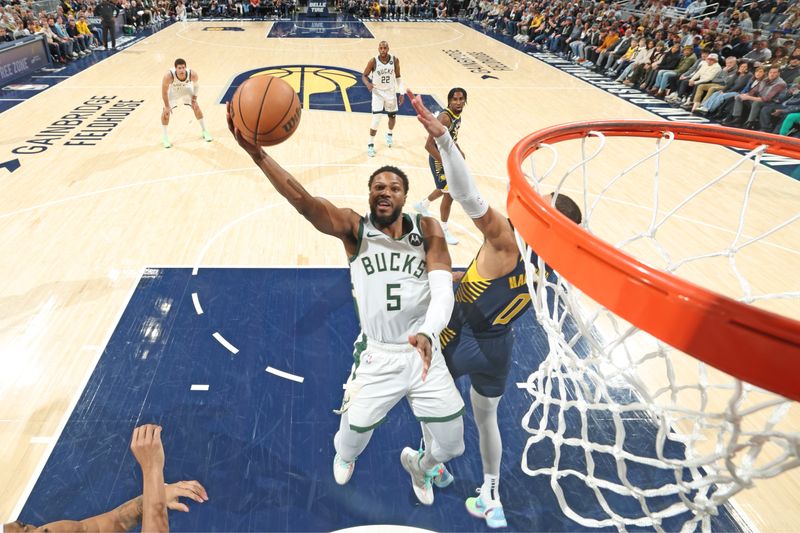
{"type": "Point", "coordinates": [285, 375]}
{"type": "Point", "coordinates": [233, 349]}
{"type": "Point", "coordinates": [68, 412]}
{"type": "Point", "coordinates": [59, 77]}
{"type": "Point", "coordinates": [196, 302]}
{"type": "Point", "coordinates": [12, 99]}
{"type": "Point", "coordinates": [199, 387]}
{"type": "Point", "coordinates": [41, 440]}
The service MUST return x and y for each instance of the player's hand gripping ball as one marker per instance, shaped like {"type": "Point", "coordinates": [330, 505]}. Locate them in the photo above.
{"type": "Point", "coordinates": [265, 110]}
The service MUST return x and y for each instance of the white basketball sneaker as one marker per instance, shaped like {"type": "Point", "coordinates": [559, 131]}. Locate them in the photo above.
{"type": "Point", "coordinates": [342, 470]}
{"type": "Point", "coordinates": [389, 140]}
{"type": "Point", "coordinates": [371, 150]}
{"type": "Point", "coordinates": [421, 481]}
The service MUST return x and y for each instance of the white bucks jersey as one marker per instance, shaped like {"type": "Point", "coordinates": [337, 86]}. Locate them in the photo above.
{"type": "Point", "coordinates": [179, 86]}
{"type": "Point", "coordinates": [383, 76]}
{"type": "Point", "coordinates": [390, 281]}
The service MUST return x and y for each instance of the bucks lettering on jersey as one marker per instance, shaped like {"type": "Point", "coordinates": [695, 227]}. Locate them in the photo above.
{"type": "Point", "coordinates": [383, 75]}
{"type": "Point", "coordinates": [390, 281]}
{"type": "Point", "coordinates": [181, 85]}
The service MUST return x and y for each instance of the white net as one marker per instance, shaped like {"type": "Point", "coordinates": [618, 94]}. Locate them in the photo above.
{"type": "Point", "coordinates": [655, 438]}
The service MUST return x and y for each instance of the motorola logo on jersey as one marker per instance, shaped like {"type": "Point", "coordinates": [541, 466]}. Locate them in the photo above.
{"type": "Point", "coordinates": [324, 87]}
{"type": "Point", "coordinates": [415, 239]}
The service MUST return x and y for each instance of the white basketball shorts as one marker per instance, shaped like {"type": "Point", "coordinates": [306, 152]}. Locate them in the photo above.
{"type": "Point", "coordinates": [176, 95]}
{"type": "Point", "coordinates": [385, 373]}
{"type": "Point", "coordinates": [384, 101]}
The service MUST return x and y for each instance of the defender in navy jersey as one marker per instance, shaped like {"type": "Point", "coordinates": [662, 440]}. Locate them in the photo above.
{"type": "Point", "coordinates": [451, 118]}
{"type": "Point", "coordinates": [491, 295]}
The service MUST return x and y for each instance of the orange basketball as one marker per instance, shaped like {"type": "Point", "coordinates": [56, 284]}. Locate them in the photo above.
{"type": "Point", "coordinates": [266, 110]}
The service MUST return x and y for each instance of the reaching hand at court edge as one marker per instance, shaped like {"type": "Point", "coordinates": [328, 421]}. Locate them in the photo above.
{"type": "Point", "coordinates": [423, 345]}
{"type": "Point", "coordinates": [254, 151]}
{"type": "Point", "coordinates": [147, 448]}
{"type": "Point", "coordinates": [424, 115]}
{"type": "Point", "coordinates": [184, 489]}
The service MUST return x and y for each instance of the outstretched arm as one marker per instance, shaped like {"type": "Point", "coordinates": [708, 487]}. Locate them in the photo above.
{"type": "Point", "coordinates": [149, 453]}
{"type": "Point", "coordinates": [125, 517]}
{"type": "Point", "coordinates": [495, 228]}
{"type": "Point", "coordinates": [326, 217]}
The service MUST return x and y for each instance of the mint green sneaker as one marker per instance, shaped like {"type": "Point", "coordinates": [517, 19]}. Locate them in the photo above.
{"type": "Point", "coordinates": [207, 136]}
{"type": "Point", "coordinates": [371, 150]}
{"type": "Point", "coordinates": [421, 481]}
{"type": "Point", "coordinates": [491, 512]}
{"type": "Point", "coordinates": [165, 141]}
{"type": "Point", "coordinates": [389, 140]}
{"type": "Point", "coordinates": [444, 478]}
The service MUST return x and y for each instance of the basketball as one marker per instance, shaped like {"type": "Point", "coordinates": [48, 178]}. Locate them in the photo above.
{"type": "Point", "coordinates": [266, 110]}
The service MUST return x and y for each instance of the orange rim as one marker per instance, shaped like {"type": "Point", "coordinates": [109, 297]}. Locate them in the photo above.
{"type": "Point", "coordinates": [751, 344]}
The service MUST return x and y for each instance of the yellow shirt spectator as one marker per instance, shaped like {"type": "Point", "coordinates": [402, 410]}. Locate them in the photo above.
{"type": "Point", "coordinates": [83, 27]}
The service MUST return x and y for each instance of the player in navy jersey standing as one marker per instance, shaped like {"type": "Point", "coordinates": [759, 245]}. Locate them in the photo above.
{"type": "Point", "coordinates": [491, 295]}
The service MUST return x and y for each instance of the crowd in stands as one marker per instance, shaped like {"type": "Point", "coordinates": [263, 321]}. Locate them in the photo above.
{"type": "Point", "coordinates": [400, 9]}
{"type": "Point", "coordinates": [736, 63]}
{"type": "Point", "coordinates": [72, 30]}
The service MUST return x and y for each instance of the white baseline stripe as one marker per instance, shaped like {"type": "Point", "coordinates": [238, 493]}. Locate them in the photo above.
{"type": "Point", "coordinates": [285, 375]}
{"type": "Point", "coordinates": [233, 349]}
{"type": "Point", "coordinates": [41, 440]}
{"type": "Point", "coordinates": [68, 412]}
{"type": "Point", "coordinates": [196, 302]}
{"type": "Point", "coordinates": [199, 387]}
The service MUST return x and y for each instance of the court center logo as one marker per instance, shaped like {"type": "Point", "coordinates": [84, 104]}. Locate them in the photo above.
{"type": "Point", "coordinates": [324, 88]}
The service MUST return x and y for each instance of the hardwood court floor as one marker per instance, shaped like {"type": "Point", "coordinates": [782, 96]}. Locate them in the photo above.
{"type": "Point", "coordinates": [79, 222]}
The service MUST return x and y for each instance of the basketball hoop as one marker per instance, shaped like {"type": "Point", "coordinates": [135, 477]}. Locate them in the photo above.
{"type": "Point", "coordinates": [609, 313]}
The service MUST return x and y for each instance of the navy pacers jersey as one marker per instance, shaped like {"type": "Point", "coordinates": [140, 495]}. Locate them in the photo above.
{"type": "Point", "coordinates": [488, 306]}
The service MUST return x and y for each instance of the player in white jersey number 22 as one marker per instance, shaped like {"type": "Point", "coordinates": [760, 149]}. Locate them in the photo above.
{"type": "Point", "coordinates": [382, 78]}
{"type": "Point", "coordinates": [403, 286]}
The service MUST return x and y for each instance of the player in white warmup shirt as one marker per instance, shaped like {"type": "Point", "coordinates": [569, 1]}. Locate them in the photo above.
{"type": "Point", "coordinates": [402, 284]}
{"type": "Point", "coordinates": [180, 84]}
{"type": "Point", "coordinates": [382, 78]}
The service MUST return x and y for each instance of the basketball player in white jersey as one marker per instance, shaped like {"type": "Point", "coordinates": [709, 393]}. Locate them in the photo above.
{"type": "Point", "coordinates": [180, 83]}
{"type": "Point", "coordinates": [402, 284]}
{"type": "Point", "coordinates": [382, 78]}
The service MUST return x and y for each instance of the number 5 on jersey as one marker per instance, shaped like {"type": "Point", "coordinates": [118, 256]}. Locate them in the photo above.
{"type": "Point", "coordinates": [393, 297]}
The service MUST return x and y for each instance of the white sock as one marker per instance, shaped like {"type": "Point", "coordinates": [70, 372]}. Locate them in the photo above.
{"type": "Point", "coordinates": [372, 139]}
{"type": "Point", "coordinates": [389, 133]}
{"type": "Point", "coordinates": [424, 203]}
{"type": "Point", "coordinates": [490, 490]}
{"type": "Point", "coordinates": [202, 123]}
{"type": "Point", "coordinates": [444, 226]}
{"type": "Point", "coordinates": [164, 127]}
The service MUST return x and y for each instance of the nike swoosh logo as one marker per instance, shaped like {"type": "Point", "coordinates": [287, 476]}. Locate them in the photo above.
{"type": "Point", "coordinates": [374, 234]}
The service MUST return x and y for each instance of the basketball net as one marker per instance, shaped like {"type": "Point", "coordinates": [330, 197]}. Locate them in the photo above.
{"type": "Point", "coordinates": [655, 437]}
